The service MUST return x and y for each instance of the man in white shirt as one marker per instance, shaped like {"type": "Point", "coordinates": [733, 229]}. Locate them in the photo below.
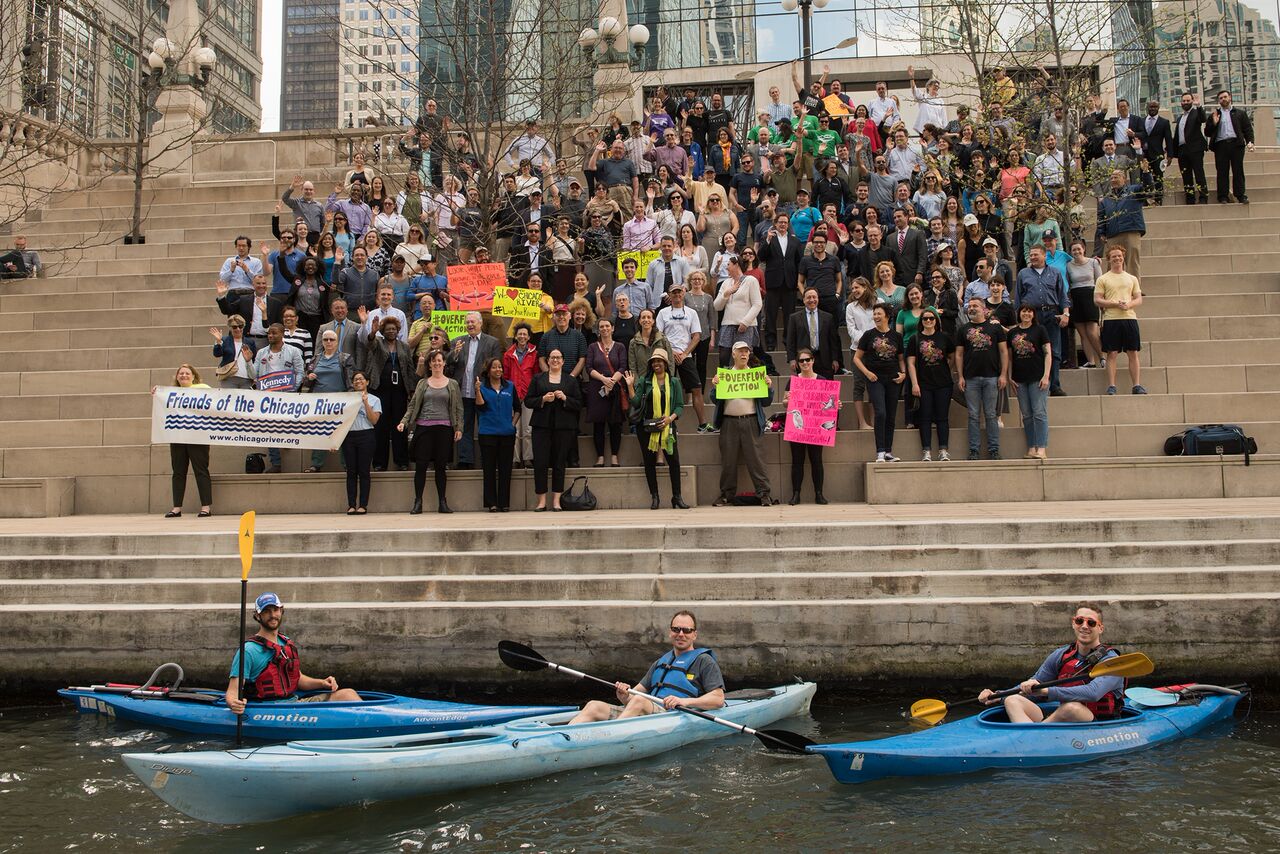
{"type": "Point", "coordinates": [371, 321]}
{"type": "Point", "coordinates": [238, 270]}
{"type": "Point", "coordinates": [931, 109]}
{"type": "Point", "coordinates": [776, 109]}
{"type": "Point", "coordinates": [903, 160]}
{"type": "Point", "coordinates": [1125, 130]}
{"type": "Point", "coordinates": [1050, 168]}
{"type": "Point", "coordinates": [680, 325]}
{"type": "Point", "coordinates": [883, 108]}
{"type": "Point", "coordinates": [532, 147]}
{"type": "Point", "coordinates": [664, 271]}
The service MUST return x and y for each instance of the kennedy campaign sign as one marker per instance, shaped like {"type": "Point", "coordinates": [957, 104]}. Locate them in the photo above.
{"type": "Point", "coordinates": [268, 419]}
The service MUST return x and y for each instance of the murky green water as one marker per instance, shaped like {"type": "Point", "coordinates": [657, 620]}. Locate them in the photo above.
{"type": "Point", "coordinates": [63, 788]}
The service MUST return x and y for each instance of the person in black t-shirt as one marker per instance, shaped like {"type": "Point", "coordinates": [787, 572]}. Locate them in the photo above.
{"type": "Point", "coordinates": [999, 308]}
{"type": "Point", "coordinates": [982, 361]}
{"type": "Point", "coordinates": [929, 361]}
{"type": "Point", "coordinates": [1030, 364]}
{"type": "Point", "coordinates": [880, 359]}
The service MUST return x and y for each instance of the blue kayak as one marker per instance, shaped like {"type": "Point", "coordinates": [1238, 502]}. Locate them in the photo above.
{"type": "Point", "coordinates": [989, 740]}
{"type": "Point", "coordinates": [204, 712]}
{"type": "Point", "coordinates": [282, 780]}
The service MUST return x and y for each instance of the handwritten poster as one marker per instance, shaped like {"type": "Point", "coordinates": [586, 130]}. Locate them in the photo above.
{"type": "Point", "coordinates": [748, 382]}
{"type": "Point", "coordinates": [453, 322]}
{"type": "Point", "coordinates": [812, 410]}
{"type": "Point", "coordinates": [471, 285]}
{"type": "Point", "coordinates": [835, 107]}
{"type": "Point", "coordinates": [523, 303]}
{"type": "Point", "coordinates": [642, 259]}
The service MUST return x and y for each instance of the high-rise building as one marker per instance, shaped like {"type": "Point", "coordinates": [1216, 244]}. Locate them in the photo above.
{"type": "Point", "coordinates": [712, 32]}
{"type": "Point", "coordinates": [309, 69]}
{"type": "Point", "coordinates": [1218, 44]}
{"type": "Point", "coordinates": [85, 61]}
{"type": "Point", "coordinates": [377, 62]}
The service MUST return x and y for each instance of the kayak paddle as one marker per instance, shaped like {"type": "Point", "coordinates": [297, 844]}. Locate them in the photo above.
{"type": "Point", "coordinates": [932, 712]}
{"type": "Point", "coordinates": [520, 657]}
{"type": "Point", "coordinates": [246, 561]}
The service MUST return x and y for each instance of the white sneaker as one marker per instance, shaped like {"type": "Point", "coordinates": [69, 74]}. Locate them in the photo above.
{"type": "Point", "coordinates": [943, 456]}
{"type": "Point", "coordinates": [890, 458]}
{"type": "Point", "coordinates": [927, 458]}
{"type": "Point", "coordinates": [879, 456]}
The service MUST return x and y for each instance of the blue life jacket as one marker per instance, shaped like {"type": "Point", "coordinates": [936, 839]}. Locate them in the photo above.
{"type": "Point", "coordinates": [671, 676]}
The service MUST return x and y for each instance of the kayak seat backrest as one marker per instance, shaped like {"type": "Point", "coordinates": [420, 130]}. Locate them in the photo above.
{"type": "Point", "coordinates": [750, 694]}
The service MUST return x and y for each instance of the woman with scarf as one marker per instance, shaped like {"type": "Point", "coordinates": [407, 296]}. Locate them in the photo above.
{"type": "Point", "coordinates": [656, 401]}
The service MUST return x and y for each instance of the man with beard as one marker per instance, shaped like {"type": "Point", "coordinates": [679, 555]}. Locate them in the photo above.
{"type": "Point", "coordinates": [273, 666]}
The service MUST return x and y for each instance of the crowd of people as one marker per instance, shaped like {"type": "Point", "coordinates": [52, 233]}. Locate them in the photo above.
{"type": "Point", "coordinates": [937, 247]}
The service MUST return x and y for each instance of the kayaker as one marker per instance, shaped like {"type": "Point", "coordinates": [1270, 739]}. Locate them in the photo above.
{"type": "Point", "coordinates": [685, 675]}
{"type": "Point", "coordinates": [273, 666]}
{"type": "Point", "coordinates": [1081, 701]}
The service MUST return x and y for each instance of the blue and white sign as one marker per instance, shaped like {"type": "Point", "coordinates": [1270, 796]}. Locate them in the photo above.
{"type": "Point", "coordinates": [269, 419]}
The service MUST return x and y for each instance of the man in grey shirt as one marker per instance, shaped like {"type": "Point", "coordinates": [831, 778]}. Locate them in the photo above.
{"type": "Point", "coordinates": [358, 283]}
{"type": "Point", "coordinates": [617, 172]}
{"type": "Point", "coordinates": [306, 207]}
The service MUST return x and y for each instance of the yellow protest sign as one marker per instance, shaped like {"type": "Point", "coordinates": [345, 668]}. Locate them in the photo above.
{"type": "Point", "coordinates": [454, 323]}
{"type": "Point", "coordinates": [642, 259]}
{"type": "Point", "coordinates": [835, 107]}
{"type": "Point", "coordinates": [748, 382]}
{"type": "Point", "coordinates": [523, 303]}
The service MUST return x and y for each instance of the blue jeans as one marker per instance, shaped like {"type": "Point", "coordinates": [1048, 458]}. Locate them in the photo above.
{"type": "Point", "coordinates": [467, 447]}
{"type": "Point", "coordinates": [980, 396]}
{"type": "Point", "coordinates": [273, 454]}
{"type": "Point", "coordinates": [1049, 323]}
{"type": "Point", "coordinates": [1034, 405]}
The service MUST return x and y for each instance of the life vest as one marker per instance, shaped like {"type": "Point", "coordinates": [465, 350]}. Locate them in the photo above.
{"type": "Point", "coordinates": [1110, 704]}
{"type": "Point", "coordinates": [671, 676]}
{"type": "Point", "coordinates": [279, 679]}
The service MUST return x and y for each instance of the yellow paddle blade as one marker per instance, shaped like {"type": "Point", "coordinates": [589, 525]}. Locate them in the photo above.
{"type": "Point", "coordinates": [928, 711]}
{"type": "Point", "coordinates": [1132, 664]}
{"type": "Point", "coordinates": [246, 544]}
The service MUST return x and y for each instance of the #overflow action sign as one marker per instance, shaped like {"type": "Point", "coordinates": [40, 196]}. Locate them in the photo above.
{"type": "Point", "coordinates": [523, 303]}
{"type": "Point", "coordinates": [748, 382]}
{"type": "Point", "coordinates": [270, 419]}
{"type": "Point", "coordinates": [471, 285]}
{"type": "Point", "coordinates": [812, 411]}
{"type": "Point", "coordinates": [454, 323]}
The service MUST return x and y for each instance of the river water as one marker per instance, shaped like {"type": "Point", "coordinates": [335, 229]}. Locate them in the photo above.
{"type": "Point", "coordinates": [63, 788]}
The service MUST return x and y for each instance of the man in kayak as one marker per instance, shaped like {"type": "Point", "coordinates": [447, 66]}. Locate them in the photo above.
{"type": "Point", "coordinates": [273, 667]}
{"type": "Point", "coordinates": [685, 675]}
{"type": "Point", "coordinates": [1081, 701]}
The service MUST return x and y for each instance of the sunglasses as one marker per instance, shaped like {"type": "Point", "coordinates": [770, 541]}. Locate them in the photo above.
{"type": "Point", "coordinates": [1086, 621]}
{"type": "Point", "coordinates": [928, 318]}
{"type": "Point", "coordinates": [237, 326]}
{"type": "Point", "coordinates": [682, 630]}
{"type": "Point", "coordinates": [804, 361]}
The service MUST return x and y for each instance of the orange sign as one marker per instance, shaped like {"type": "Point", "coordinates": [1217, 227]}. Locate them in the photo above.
{"type": "Point", "coordinates": [471, 285]}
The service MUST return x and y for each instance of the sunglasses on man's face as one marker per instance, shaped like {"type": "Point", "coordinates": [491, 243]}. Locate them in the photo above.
{"type": "Point", "coordinates": [682, 630]}
{"type": "Point", "coordinates": [1086, 621]}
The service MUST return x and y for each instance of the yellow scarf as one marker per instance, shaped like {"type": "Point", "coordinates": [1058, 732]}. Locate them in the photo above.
{"type": "Point", "coordinates": [664, 438]}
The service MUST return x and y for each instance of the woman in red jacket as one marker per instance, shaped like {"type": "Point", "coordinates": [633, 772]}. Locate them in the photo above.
{"type": "Point", "coordinates": [519, 365]}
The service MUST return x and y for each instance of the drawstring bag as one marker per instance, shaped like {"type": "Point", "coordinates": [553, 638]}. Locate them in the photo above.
{"type": "Point", "coordinates": [255, 463]}
{"type": "Point", "coordinates": [578, 499]}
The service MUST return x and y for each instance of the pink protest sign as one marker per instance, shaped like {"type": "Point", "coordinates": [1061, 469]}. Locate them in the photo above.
{"type": "Point", "coordinates": [812, 410]}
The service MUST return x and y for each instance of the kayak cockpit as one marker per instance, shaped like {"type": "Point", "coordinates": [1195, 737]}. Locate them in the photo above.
{"type": "Point", "coordinates": [409, 742]}
{"type": "Point", "coordinates": [997, 717]}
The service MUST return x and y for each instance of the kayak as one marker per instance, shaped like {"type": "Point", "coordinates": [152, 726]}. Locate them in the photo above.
{"type": "Point", "coordinates": [204, 711]}
{"type": "Point", "coordinates": [267, 783]}
{"type": "Point", "coordinates": [989, 740]}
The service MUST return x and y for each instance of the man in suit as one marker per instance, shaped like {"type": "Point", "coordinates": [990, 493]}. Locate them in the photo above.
{"type": "Point", "coordinates": [780, 253]}
{"type": "Point", "coordinates": [816, 329]}
{"type": "Point", "coordinates": [1101, 168]}
{"type": "Point", "coordinates": [1156, 136]}
{"type": "Point", "coordinates": [1230, 134]}
{"type": "Point", "coordinates": [465, 362]}
{"type": "Point", "coordinates": [1188, 146]}
{"type": "Point", "coordinates": [259, 308]}
{"type": "Point", "coordinates": [529, 256]}
{"type": "Point", "coordinates": [912, 250]}
{"type": "Point", "coordinates": [347, 329]}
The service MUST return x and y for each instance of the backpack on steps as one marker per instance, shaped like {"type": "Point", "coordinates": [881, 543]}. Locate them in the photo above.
{"type": "Point", "coordinates": [1211, 439]}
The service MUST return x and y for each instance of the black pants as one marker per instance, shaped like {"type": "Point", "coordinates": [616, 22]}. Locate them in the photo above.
{"type": "Point", "coordinates": [814, 452]}
{"type": "Point", "coordinates": [312, 323]}
{"type": "Point", "coordinates": [357, 453]}
{"type": "Point", "coordinates": [198, 457]}
{"type": "Point", "coordinates": [551, 451]}
{"type": "Point", "coordinates": [598, 431]}
{"type": "Point", "coordinates": [1194, 184]}
{"type": "Point", "coordinates": [1228, 159]}
{"type": "Point", "coordinates": [388, 439]}
{"type": "Point", "coordinates": [884, 395]}
{"type": "Point", "coordinates": [935, 409]}
{"type": "Point", "coordinates": [779, 299]}
{"type": "Point", "coordinates": [496, 454]}
{"type": "Point", "coordinates": [651, 466]}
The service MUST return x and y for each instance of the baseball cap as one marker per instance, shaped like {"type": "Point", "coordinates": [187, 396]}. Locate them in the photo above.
{"type": "Point", "coordinates": [802, 190]}
{"type": "Point", "coordinates": [741, 345]}
{"type": "Point", "coordinates": [676, 286]}
{"type": "Point", "coordinates": [1049, 234]}
{"type": "Point", "coordinates": [970, 219]}
{"type": "Point", "coordinates": [573, 181]}
{"type": "Point", "coordinates": [562, 307]}
{"type": "Point", "coordinates": [991, 241]}
{"type": "Point", "coordinates": [535, 192]}
{"type": "Point", "coordinates": [265, 601]}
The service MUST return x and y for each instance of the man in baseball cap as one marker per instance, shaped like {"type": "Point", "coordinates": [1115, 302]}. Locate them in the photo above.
{"type": "Point", "coordinates": [273, 666]}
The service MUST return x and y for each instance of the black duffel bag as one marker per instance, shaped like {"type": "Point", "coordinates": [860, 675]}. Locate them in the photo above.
{"type": "Point", "coordinates": [1212, 440]}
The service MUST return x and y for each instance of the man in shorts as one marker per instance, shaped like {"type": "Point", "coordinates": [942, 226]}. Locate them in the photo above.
{"type": "Point", "coordinates": [680, 325]}
{"type": "Point", "coordinates": [1117, 293]}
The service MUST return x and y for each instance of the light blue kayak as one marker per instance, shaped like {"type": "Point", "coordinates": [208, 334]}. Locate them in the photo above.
{"type": "Point", "coordinates": [273, 782]}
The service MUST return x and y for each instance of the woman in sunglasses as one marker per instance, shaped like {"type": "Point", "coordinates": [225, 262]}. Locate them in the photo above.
{"type": "Point", "coordinates": [799, 450]}
{"type": "Point", "coordinates": [930, 359]}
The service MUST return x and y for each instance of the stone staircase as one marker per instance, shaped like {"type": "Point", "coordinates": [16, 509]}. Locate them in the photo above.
{"type": "Point", "coordinates": [836, 593]}
{"type": "Point", "coordinates": [80, 350]}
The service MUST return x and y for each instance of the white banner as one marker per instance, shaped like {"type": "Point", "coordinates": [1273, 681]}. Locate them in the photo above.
{"type": "Point", "coordinates": [268, 419]}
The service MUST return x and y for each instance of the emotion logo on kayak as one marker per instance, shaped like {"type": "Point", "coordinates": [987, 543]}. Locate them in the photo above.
{"type": "Point", "coordinates": [1077, 744]}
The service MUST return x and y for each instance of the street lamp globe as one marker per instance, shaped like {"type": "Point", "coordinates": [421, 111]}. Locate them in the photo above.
{"type": "Point", "coordinates": [790, 5]}
{"type": "Point", "coordinates": [155, 61]}
{"type": "Point", "coordinates": [821, 3]}
{"type": "Point", "coordinates": [206, 58]}
{"type": "Point", "coordinates": [639, 35]}
{"type": "Point", "coordinates": [610, 28]}
{"type": "Point", "coordinates": [587, 38]}
{"type": "Point", "coordinates": [163, 46]}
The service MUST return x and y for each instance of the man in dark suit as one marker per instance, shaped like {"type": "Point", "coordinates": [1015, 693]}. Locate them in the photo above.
{"type": "Point", "coordinates": [466, 362]}
{"type": "Point", "coordinates": [1230, 134]}
{"type": "Point", "coordinates": [912, 250]}
{"type": "Point", "coordinates": [816, 329]}
{"type": "Point", "coordinates": [1156, 135]}
{"type": "Point", "coordinates": [259, 308]}
{"type": "Point", "coordinates": [528, 256]}
{"type": "Point", "coordinates": [348, 330]}
{"type": "Point", "coordinates": [780, 253]}
{"type": "Point", "coordinates": [1188, 146]}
